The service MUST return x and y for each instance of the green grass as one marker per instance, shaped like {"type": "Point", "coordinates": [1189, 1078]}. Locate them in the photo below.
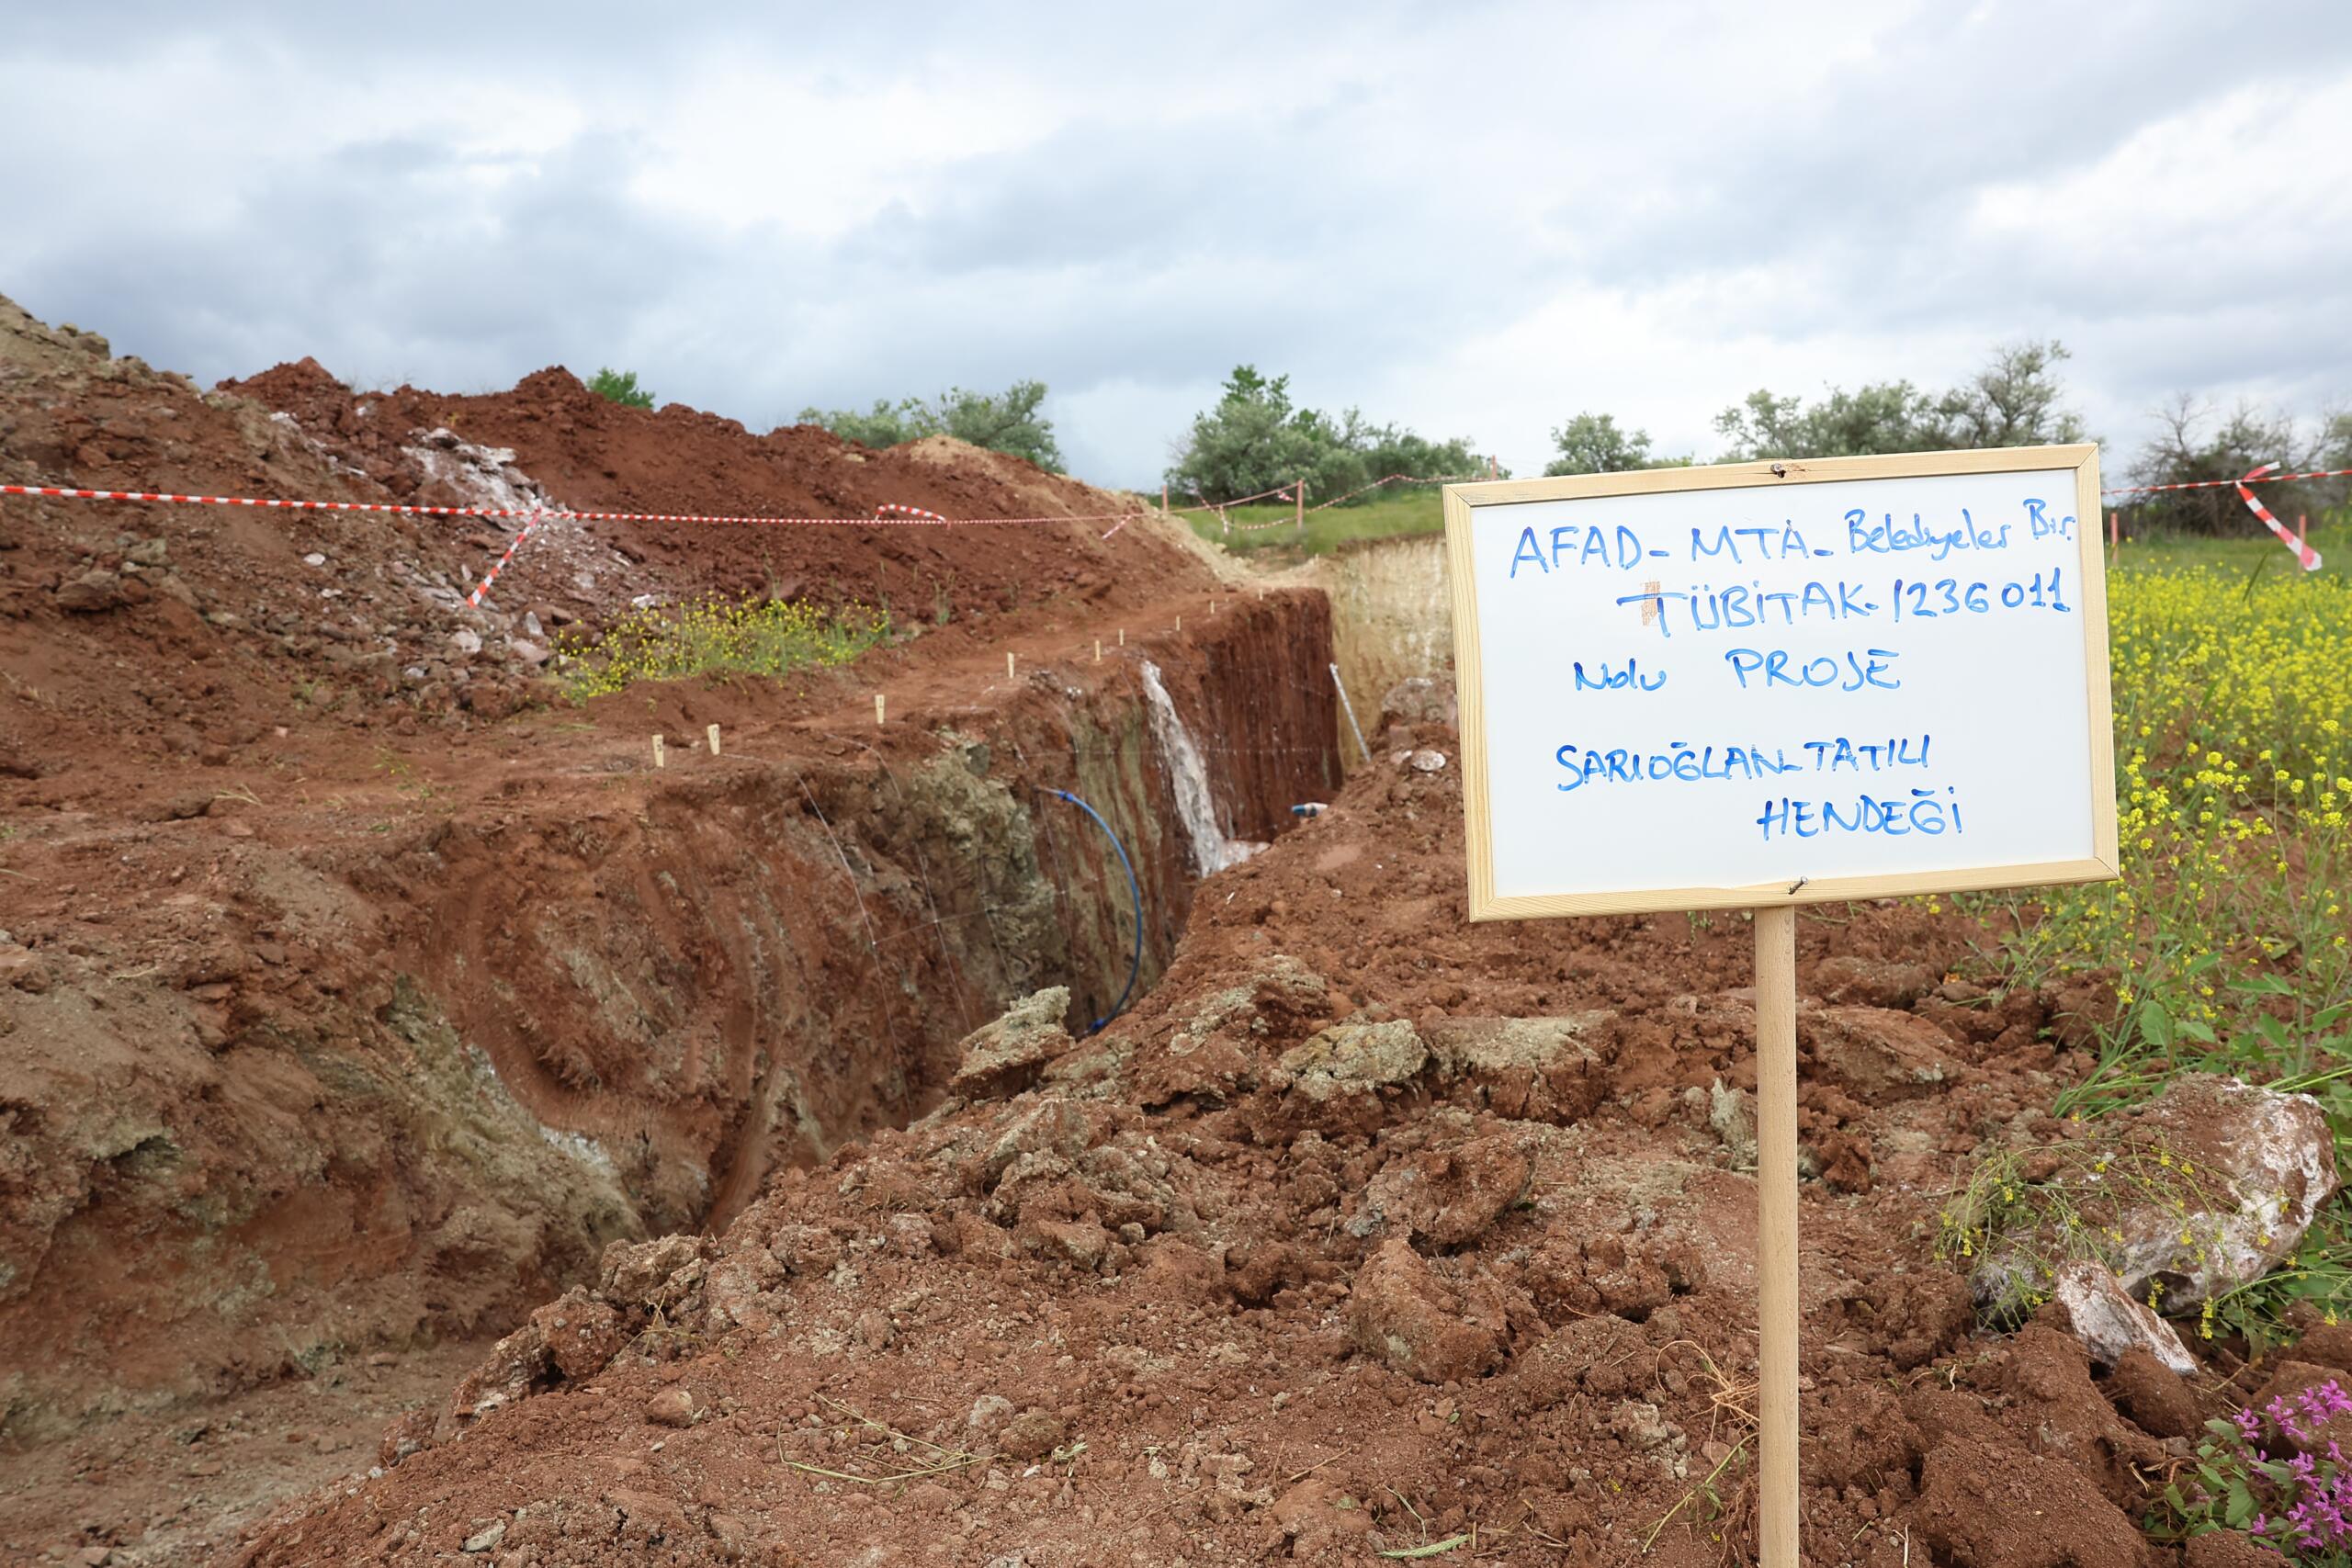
{"type": "Point", "coordinates": [712, 637]}
{"type": "Point", "coordinates": [2258, 553]}
{"type": "Point", "coordinates": [1400, 509]}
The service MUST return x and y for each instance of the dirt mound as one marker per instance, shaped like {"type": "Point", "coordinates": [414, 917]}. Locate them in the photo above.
{"type": "Point", "coordinates": [595, 455]}
{"type": "Point", "coordinates": [1369, 1228]}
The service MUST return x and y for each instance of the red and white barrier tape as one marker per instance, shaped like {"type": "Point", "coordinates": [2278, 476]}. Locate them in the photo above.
{"type": "Point", "coordinates": [483, 587]}
{"type": "Point", "coordinates": [897, 518]}
{"type": "Point", "coordinates": [2218, 484]}
{"type": "Point", "coordinates": [2303, 551]}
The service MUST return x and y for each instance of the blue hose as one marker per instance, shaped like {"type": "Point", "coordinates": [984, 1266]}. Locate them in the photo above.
{"type": "Point", "coordinates": [1134, 891]}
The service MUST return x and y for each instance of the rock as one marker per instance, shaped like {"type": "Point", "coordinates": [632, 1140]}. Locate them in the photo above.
{"type": "Point", "coordinates": [150, 552]}
{"type": "Point", "coordinates": [1352, 1059]}
{"type": "Point", "coordinates": [487, 1539]}
{"type": "Point", "coordinates": [1448, 1196]}
{"type": "Point", "coordinates": [2237, 1173]}
{"type": "Point", "coordinates": [1006, 1056]}
{"type": "Point", "coordinates": [1402, 1313]}
{"type": "Point", "coordinates": [1080, 1242]}
{"type": "Point", "coordinates": [1427, 762]}
{"type": "Point", "coordinates": [2274, 1161]}
{"type": "Point", "coordinates": [314, 558]}
{"type": "Point", "coordinates": [1637, 1424]}
{"type": "Point", "coordinates": [1529, 1069]}
{"type": "Point", "coordinates": [1418, 699]}
{"type": "Point", "coordinates": [673, 1407]}
{"type": "Point", "coordinates": [1053, 1127]}
{"type": "Point", "coordinates": [633, 1274]}
{"type": "Point", "coordinates": [1871, 982]}
{"type": "Point", "coordinates": [1876, 1054]}
{"type": "Point", "coordinates": [1732, 1118]}
{"type": "Point", "coordinates": [581, 1333]}
{"type": "Point", "coordinates": [1032, 1435]}
{"type": "Point", "coordinates": [95, 591]}
{"type": "Point", "coordinates": [464, 642]}
{"type": "Point", "coordinates": [523, 651]}
{"type": "Point", "coordinates": [1983, 1505]}
{"type": "Point", "coordinates": [23, 970]}
{"type": "Point", "coordinates": [989, 1411]}
{"type": "Point", "coordinates": [2111, 1323]}
{"type": "Point", "coordinates": [2153, 1396]}
{"type": "Point", "coordinates": [532, 626]}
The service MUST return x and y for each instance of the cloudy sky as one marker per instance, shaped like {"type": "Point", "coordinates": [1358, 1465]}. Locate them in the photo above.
{"type": "Point", "coordinates": [1473, 218]}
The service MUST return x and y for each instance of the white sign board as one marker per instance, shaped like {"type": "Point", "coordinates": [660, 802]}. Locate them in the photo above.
{"type": "Point", "coordinates": [1762, 684]}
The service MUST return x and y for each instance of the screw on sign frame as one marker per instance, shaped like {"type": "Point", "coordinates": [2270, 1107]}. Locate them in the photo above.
{"type": "Point", "coordinates": [1641, 656]}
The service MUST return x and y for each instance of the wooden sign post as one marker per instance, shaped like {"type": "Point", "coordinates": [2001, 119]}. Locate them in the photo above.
{"type": "Point", "coordinates": [1766, 684]}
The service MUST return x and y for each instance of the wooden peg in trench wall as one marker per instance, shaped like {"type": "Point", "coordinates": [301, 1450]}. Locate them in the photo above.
{"type": "Point", "coordinates": [660, 760]}
{"type": "Point", "coordinates": [878, 700]}
{"type": "Point", "coordinates": [1008, 667]}
{"type": "Point", "coordinates": [1123, 636]}
{"type": "Point", "coordinates": [1098, 650]}
{"type": "Point", "coordinates": [714, 740]}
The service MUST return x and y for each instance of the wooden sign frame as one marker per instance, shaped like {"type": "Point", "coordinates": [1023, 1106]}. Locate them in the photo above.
{"type": "Point", "coordinates": [1778, 1499]}
{"type": "Point", "coordinates": [1463, 504]}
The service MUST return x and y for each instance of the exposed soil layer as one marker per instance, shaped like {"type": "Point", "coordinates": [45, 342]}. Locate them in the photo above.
{"type": "Point", "coordinates": [355, 990]}
{"type": "Point", "coordinates": [1369, 1229]}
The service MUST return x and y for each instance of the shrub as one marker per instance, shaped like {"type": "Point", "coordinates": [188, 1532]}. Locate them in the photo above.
{"type": "Point", "coordinates": [1003, 421]}
{"type": "Point", "coordinates": [621, 387]}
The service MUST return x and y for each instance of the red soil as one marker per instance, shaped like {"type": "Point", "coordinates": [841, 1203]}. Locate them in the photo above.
{"type": "Point", "coordinates": [1210, 1294]}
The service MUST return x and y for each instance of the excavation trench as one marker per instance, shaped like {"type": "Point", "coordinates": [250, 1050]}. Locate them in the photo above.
{"type": "Point", "coordinates": [425, 1079]}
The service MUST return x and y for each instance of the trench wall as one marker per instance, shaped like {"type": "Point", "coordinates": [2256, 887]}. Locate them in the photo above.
{"type": "Point", "coordinates": [1392, 617]}
{"type": "Point", "coordinates": [458, 1064]}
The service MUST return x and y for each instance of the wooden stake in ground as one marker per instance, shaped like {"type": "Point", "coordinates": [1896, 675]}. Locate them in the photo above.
{"type": "Point", "coordinates": [1098, 650]}
{"type": "Point", "coordinates": [1776, 1202]}
{"type": "Point", "coordinates": [714, 740]}
{"type": "Point", "coordinates": [877, 708]}
{"type": "Point", "coordinates": [660, 760]}
{"type": "Point", "coordinates": [1301, 499]}
{"type": "Point", "coordinates": [1008, 667]}
{"type": "Point", "coordinates": [1123, 636]}
{"type": "Point", "coordinates": [1540, 846]}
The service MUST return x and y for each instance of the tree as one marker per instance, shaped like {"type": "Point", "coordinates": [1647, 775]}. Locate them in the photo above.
{"type": "Point", "coordinates": [621, 387]}
{"type": "Point", "coordinates": [1255, 439]}
{"type": "Point", "coordinates": [1592, 443]}
{"type": "Point", "coordinates": [1007, 421]}
{"type": "Point", "coordinates": [1879, 416]}
{"type": "Point", "coordinates": [2013, 401]}
{"type": "Point", "coordinates": [2191, 447]}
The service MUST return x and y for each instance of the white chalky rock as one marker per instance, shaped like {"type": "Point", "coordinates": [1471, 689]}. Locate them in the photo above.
{"type": "Point", "coordinates": [2244, 1169]}
{"type": "Point", "coordinates": [2108, 1322]}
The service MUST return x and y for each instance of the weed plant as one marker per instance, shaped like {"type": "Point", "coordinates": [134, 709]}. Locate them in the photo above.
{"type": "Point", "coordinates": [2226, 936]}
{"type": "Point", "coordinates": [703, 637]}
